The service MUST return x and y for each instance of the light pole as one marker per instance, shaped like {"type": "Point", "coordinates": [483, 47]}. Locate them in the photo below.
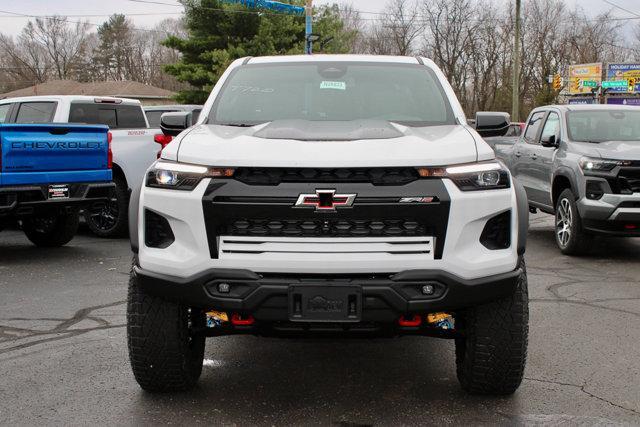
{"type": "Point", "coordinates": [515, 102]}
{"type": "Point", "coordinates": [308, 30]}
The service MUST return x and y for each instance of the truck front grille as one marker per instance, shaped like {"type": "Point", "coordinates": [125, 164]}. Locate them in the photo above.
{"type": "Point", "coordinates": [233, 209]}
{"type": "Point", "coordinates": [324, 228]}
{"type": "Point", "coordinates": [375, 176]}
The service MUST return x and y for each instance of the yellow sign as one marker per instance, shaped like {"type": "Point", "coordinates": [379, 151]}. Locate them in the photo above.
{"type": "Point", "coordinates": [584, 72]}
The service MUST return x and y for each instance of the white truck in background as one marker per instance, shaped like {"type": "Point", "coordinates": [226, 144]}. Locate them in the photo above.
{"type": "Point", "coordinates": [133, 147]}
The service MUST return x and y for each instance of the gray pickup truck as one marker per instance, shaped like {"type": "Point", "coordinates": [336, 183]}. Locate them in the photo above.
{"type": "Point", "coordinates": [582, 164]}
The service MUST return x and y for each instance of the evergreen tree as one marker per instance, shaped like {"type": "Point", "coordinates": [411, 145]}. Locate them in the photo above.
{"type": "Point", "coordinates": [114, 52]}
{"type": "Point", "coordinates": [219, 33]}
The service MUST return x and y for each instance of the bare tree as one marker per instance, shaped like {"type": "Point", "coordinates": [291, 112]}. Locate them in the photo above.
{"type": "Point", "coordinates": [398, 30]}
{"type": "Point", "coordinates": [24, 60]}
{"type": "Point", "coordinates": [596, 39]}
{"type": "Point", "coordinates": [64, 43]}
{"type": "Point", "coordinates": [352, 22]}
{"type": "Point", "coordinates": [449, 37]}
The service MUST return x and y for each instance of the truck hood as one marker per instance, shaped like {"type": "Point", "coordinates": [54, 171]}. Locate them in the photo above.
{"type": "Point", "coordinates": [618, 150]}
{"type": "Point", "coordinates": [282, 145]}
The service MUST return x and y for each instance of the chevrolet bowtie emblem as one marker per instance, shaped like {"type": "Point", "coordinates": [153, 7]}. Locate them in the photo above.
{"type": "Point", "coordinates": [325, 200]}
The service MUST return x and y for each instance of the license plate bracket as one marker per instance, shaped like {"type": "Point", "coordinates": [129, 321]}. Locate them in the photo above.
{"type": "Point", "coordinates": [325, 303]}
{"type": "Point", "coordinates": [58, 191]}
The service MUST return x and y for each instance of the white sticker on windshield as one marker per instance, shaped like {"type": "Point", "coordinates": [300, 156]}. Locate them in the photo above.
{"type": "Point", "coordinates": [333, 85]}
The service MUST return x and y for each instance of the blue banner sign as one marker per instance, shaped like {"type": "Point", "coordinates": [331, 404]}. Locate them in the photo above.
{"type": "Point", "coordinates": [276, 6]}
{"type": "Point", "coordinates": [623, 72]}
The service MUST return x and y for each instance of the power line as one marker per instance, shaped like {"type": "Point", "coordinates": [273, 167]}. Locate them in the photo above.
{"type": "Point", "coordinates": [382, 16]}
{"type": "Point", "coordinates": [92, 15]}
{"type": "Point", "coordinates": [61, 19]}
{"type": "Point", "coordinates": [218, 9]}
{"type": "Point", "coordinates": [622, 8]}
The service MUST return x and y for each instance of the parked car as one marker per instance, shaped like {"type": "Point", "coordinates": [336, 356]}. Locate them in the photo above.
{"type": "Point", "coordinates": [47, 173]}
{"type": "Point", "coordinates": [154, 113]}
{"type": "Point", "coordinates": [329, 194]}
{"type": "Point", "coordinates": [132, 145]}
{"type": "Point", "coordinates": [509, 138]}
{"type": "Point", "coordinates": [581, 163]}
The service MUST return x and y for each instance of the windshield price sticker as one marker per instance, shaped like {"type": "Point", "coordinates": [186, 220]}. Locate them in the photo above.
{"type": "Point", "coordinates": [333, 85]}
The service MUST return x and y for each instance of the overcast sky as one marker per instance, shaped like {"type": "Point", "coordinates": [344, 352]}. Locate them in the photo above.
{"type": "Point", "coordinates": [12, 24]}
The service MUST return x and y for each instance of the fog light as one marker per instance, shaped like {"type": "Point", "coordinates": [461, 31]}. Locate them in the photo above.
{"type": "Point", "coordinates": [428, 289]}
{"type": "Point", "coordinates": [224, 288]}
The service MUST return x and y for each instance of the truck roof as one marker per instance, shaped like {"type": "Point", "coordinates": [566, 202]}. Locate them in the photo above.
{"type": "Point", "coordinates": [587, 107]}
{"type": "Point", "coordinates": [182, 107]}
{"type": "Point", "coordinates": [69, 98]}
{"type": "Point", "coordinates": [335, 58]}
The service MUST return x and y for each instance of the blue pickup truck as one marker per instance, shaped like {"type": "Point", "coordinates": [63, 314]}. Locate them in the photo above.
{"type": "Point", "coordinates": [48, 172]}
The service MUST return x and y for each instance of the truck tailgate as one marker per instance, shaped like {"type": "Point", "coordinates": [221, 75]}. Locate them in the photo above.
{"type": "Point", "coordinates": [53, 153]}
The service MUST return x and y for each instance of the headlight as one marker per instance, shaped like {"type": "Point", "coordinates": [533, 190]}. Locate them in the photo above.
{"type": "Point", "coordinates": [472, 177]}
{"type": "Point", "coordinates": [182, 176]}
{"type": "Point", "coordinates": [595, 166]}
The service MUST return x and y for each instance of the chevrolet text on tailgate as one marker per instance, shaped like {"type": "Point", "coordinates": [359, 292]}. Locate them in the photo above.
{"type": "Point", "coordinates": [133, 146]}
{"type": "Point", "coordinates": [48, 172]}
{"type": "Point", "coordinates": [329, 194]}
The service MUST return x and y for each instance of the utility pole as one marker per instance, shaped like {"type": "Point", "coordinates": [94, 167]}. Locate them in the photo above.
{"type": "Point", "coordinates": [309, 28]}
{"type": "Point", "coordinates": [515, 106]}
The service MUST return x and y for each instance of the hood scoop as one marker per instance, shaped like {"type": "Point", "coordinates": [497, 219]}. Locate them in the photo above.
{"type": "Point", "coordinates": [305, 130]}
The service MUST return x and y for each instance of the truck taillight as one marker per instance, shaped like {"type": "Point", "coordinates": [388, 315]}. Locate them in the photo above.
{"type": "Point", "coordinates": [109, 151]}
{"type": "Point", "coordinates": [163, 140]}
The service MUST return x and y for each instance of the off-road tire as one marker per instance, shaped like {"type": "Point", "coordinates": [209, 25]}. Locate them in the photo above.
{"type": "Point", "coordinates": [163, 353]}
{"type": "Point", "coordinates": [578, 241]}
{"type": "Point", "coordinates": [51, 230]}
{"type": "Point", "coordinates": [491, 358]}
{"type": "Point", "coordinates": [117, 208]}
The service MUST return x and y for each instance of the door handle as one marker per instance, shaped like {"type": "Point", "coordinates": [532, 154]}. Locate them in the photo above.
{"type": "Point", "coordinates": [534, 157]}
{"type": "Point", "coordinates": [517, 154]}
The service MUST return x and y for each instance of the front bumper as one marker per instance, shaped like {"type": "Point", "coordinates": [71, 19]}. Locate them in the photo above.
{"type": "Point", "coordinates": [613, 214]}
{"type": "Point", "coordinates": [26, 200]}
{"type": "Point", "coordinates": [384, 297]}
{"type": "Point", "coordinates": [459, 252]}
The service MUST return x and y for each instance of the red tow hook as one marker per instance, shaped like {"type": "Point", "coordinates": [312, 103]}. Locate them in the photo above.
{"type": "Point", "coordinates": [238, 320]}
{"type": "Point", "coordinates": [416, 320]}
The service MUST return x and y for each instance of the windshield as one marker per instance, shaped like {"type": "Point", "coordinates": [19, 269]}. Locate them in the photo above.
{"type": "Point", "coordinates": [332, 91]}
{"type": "Point", "coordinates": [604, 125]}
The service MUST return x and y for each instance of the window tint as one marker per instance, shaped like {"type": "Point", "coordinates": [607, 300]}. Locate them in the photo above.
{"type": "Point", "coordinates": [130, 117]}
{"type": "Point", "coordinates": [551, 126]}
{"type": "Point", "coordinates": [532, 127]}
{"type": "Point", "coordinates": [332, 91]}
{"type": "Point", "coordinates": [604, 125]}
{"type": "Point", "coordinates": [36, 112]}
{"type": "Point", "coordinates": [113, 115]}
{"type": "Point", "coordinates": [4, 110]}
{"type": "Point", "coordinates": [196, 115]}
{"type": "Point", "coordinates": [107, 117]}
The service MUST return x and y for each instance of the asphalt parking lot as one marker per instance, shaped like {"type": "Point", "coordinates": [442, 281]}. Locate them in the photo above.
{"type": "Point", "coordinates": [63, 357]}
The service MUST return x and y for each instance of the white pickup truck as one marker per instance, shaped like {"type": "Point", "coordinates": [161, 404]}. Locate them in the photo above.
{"type": "Point", "coordinates": [132, 144]}
{"type": "Point", "coordinates": [329, 194]}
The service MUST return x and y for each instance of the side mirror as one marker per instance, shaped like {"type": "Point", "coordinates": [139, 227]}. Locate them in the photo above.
{"type": "Point", "coordinates": [492, 123]}
{"type": "Point", "coordinates": [549, 141]}
{"type": "Point", "coordinates": [175, 122]}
